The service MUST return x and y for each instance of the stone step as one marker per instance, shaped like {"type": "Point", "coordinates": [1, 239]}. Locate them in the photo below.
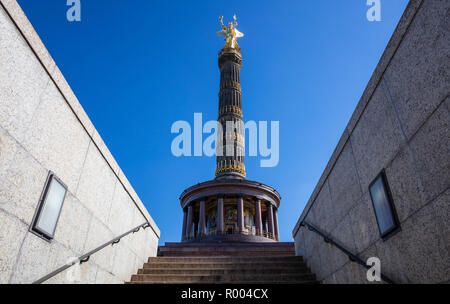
{"type": "Point", "coordinates": [229, 265]}
{"type": "Point", "coordinates": [225, 252]}
{"type": "Point", "coordinates": [228, 248]}
{"type": "Point", "coordinates": [238, 278]}
{"type": "Point", "coordinates": [233, 259]}
{"type": "Point", "coordinates": [225, 263]}
{"type": "Point", "coordinates": [300, 282]}
{"type": "Point", "coordinates": [201, 271]}
{"type": "Point", "coordinates": [229, 253]}
{"type": "Point", "coordinates": [225, 244]}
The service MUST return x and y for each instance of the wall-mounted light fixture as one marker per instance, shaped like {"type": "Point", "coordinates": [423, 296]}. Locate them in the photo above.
{"type": "Point", "coordinates": [49, 208]}
{"type": "Point", "coordinates": [383, 205]}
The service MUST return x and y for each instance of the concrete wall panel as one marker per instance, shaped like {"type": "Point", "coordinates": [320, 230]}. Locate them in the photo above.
{"type": "Point", "coordinates": [10, 248]}
{"type": "Point", "coordinates": [44, 128]}
{"type": "Point", "coordinates": [401, 124]}
{"type": "Point", "coordinates": [22, 79]}
{"type": "Point", "coordinates": [96, 185]}
{"type": "Point", "coordinates": [376, 138]}
{"type": "Point", "coordinates": [23, 173]}
{"type": "Point", "coordinates": [418, 76]}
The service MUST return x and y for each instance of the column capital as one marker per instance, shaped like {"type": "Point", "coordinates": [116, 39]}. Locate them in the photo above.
{"type": "Point", "coordinates": [269, 203]}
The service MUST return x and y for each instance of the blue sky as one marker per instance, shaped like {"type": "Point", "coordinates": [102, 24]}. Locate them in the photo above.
{"type": "Point", "coordinates": [138, 66]}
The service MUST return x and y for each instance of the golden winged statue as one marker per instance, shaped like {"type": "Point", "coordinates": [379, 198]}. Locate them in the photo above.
{"type": "Point", "coordinates": [231, 34]}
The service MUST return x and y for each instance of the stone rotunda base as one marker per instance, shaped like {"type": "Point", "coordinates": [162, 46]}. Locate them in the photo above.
{"type": "Point", "coordinates": [230, 210]}
{"type": "Point", "coordinates": [232, 238]}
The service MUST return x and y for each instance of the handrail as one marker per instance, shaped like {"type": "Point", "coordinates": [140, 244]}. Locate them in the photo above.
{"type": "Point", "coordinates": [352, 257]}
{"type": "Point", "coordinates": [84, 258]}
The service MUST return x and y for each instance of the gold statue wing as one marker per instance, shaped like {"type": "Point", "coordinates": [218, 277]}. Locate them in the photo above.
{"type": "Point", "coordinates": [222, 33]}
{"type": "Point", "coordinates": [238, 34]}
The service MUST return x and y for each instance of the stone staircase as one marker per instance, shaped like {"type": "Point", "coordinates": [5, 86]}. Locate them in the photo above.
{"type": "Point", "coordinates": [222, 263]}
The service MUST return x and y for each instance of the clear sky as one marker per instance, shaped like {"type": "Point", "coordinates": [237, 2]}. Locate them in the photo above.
{"type": "Point", "coordinates": [138, 66]}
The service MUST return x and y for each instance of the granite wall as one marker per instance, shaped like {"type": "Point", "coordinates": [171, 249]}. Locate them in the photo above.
{"type": "Point", "coordinates": [401, 124]}
{"type": "Point", "coordinates": [44, 128]}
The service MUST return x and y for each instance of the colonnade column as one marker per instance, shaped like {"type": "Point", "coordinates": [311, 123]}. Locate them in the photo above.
{"type": "Point", "coordinates": [270, 218]}
{"type": "Point", "coordinates": [183, 233]}
{"type": "Point", "coordinates": [275, 224]}
{"type": "Point", "coordinates": [240, 214]}
{"type": "Point", "coordinates": [202, 219]}
{"type": "Point", "coordinates": [189, 221]}
{"type": "Point", "coordinates": [219, 217]}
{"type": "Point", "coordinates": [258, 217]}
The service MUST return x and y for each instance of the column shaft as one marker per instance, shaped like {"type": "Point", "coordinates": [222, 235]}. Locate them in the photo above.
{"type": "Point", "coordinates": [270, 218]}
{"type": "Point", "coordinates": [183, 233]}
{"type": "Point", "coordinates": [258, 217]}
{"type": "Point", "coordinates": [220, 224]}
{"type": "Point", "coordinates": [240, 214]}
{"type": "Point", "coordinates": [202, 229]}
{"type": "Point", "coordinates": [189, 222]}
{"type": "Point", "coordinates": [275, 224]}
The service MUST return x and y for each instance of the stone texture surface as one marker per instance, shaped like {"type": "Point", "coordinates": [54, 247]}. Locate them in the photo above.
{"type": "Point", "coordinates": [10, 247]}
{"type": "Point", "coordinates": [38, 258]}
{"type": "Point", "coordinates": [414, 255]}
{"type": "Point", "coordinates": [322, 214]}
{"type": "Point", "coordinates": [124, 262]}
{"type": "Point", "coordinates": [98, 235]}
{"type": "Point", "coordinates": [56, 138]}
{"type": "Point", "coordinates": [81, 274]}
{"type": "Point", "coordinates": [376, 138]}
{"type": "Point", "coordinates": [122, 211]}
{"type": "Point", "coordinates": [44, 128]}
{"type": "Point", "coordinates": [138, 239]}
{"type": "Point", "coordinates": [73, 225]}
{"type": "Point", "coordinates": [96, 184]}
{"type": "Point", "coordinates": [106, 277]}
{"type": "Point", "coordinates": [29, 33]}
{"type": "Point", "coordinates": [405, 183]}
{"type": "Point", "coordinates": [31, 39]}
{"type": "Point", "coordinates": [73, 103]}
{"type": "Point", "coordinates": [401, 124]}
{"type": "Point", "coordinates": [431, 146]}
{"type": "Point", "coordinates": [151, 242]}
{"type": "Point", "coordinates": [8, 148]}
{"type": "Point", "coordinates": [21, 186]}
{"type": "Point", "coordinates": [300, 243]}
{"type": "Point", "coordinates": [343, 234]}
{"type": "Point", "coordinates": [424, 260]}
{"type": "Point", "coordinates": [364, 224]}
{"type": "Point", "coordinates": [343, 182]}
{"type": "Point", "coordinates": [442, 214]}
{"type": "Point", "coordinates": [329, 265]}
{"type": "Point", "coordinates": [105, 152]}
{"type": "Point", "coordinates": [22, 79]}
{"type": "Point", "coordinates": [420, 70]}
